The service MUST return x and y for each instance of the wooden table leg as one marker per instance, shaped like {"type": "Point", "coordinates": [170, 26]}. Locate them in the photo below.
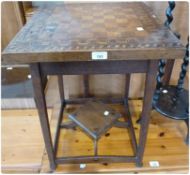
{"type": "Point", "coordinates": [86, 85]}
{"type": "Point", "coordinates": [42, 111]}
{"type": "Point", "coordinates": [168, 71]}
{"type": "Point", "coordinates": [61, 88]}
{"type": "Point", "coordinates": [128, 116]}
{"type": "Point", "coordinates": [147, 106]}
{"type": "Point", "coordinates": [127, 85]}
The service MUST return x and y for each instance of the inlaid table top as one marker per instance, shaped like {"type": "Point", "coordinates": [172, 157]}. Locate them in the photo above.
{"type": "Point", "coordinates": [72, 31]}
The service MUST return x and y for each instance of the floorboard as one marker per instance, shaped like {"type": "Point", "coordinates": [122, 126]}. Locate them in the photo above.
{"type": "Point", "coordinates": [23, 149]}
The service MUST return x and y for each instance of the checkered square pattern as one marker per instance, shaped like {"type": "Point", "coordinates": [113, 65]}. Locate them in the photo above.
{"type": "Point", "coordinates": [92, 26]}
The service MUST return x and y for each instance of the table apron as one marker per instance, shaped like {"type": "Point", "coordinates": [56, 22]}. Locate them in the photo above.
{"type": "Point", "coordinates": [95, 67]}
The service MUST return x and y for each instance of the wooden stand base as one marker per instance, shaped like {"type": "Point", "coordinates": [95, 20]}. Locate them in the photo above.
{"type": "Point", "coordinates": [164, 144]}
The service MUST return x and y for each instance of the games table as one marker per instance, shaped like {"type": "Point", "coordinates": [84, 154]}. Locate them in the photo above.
{"type": "Point", "coordinates": [93, 38]}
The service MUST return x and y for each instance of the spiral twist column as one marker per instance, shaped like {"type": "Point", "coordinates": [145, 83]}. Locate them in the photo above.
{"type": "Point", "coordinates": [162, 62]}
{"type": "Point", "coordinates": [169, 13]}
{"type": "Point", "coordinates": [184, 67]}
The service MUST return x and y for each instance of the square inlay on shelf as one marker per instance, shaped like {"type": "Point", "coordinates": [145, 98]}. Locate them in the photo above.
{"type": "Point", "coordinates": [95, 118]}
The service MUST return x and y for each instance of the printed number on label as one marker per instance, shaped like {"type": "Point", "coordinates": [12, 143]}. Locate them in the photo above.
{"type": "Point", "coordinates": [99, 55]}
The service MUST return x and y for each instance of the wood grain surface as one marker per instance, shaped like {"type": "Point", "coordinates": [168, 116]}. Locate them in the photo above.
{"type": "Point", "coordinates": [165, 144]}
{"type": "Point", "coordinates": [70, 32]}
{"type": "Point", "coordinates": [22, 143]}
{"type": "Point", "coordinates": [23, 147]}
{"type": "Point", "coordinates": [91, 118]}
